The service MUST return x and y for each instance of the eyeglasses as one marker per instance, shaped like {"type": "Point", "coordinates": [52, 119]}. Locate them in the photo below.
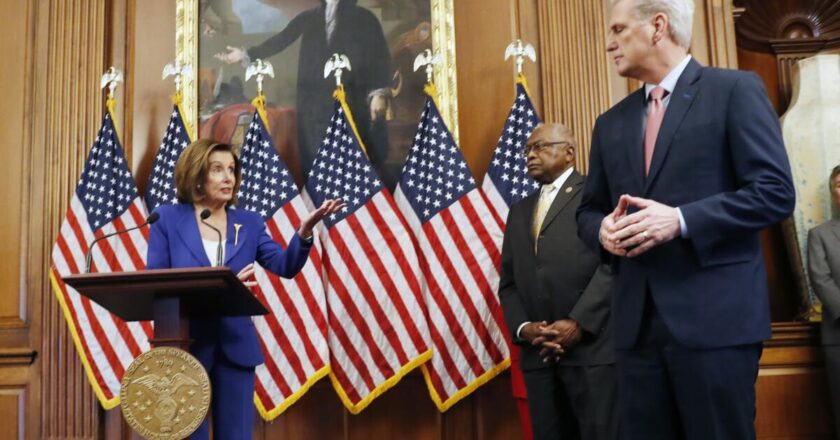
{"type": "Point", "coordinates": [538, 146]}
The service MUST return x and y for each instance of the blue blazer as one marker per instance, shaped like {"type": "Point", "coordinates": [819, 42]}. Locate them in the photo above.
{"type": "Point", "coordinates": [175, 241]}
{"type": "Point", "coordinates": [720, 158]}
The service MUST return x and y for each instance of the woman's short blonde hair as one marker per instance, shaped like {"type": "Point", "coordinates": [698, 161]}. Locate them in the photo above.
{"type": "Point", "coordinates": [192, 167]}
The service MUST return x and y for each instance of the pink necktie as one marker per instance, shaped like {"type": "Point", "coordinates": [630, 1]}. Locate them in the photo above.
{"type": "Point", "coordinates": [656, 112]}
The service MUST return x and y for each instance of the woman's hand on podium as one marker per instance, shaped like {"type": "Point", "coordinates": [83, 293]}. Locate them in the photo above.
{"type": "Point", "coordinates": [246, 276]}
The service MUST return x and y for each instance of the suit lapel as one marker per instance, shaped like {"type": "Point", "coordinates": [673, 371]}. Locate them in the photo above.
{"type": "Point", "coordinates": [571, 186]}
{"type": "Point", "coordinates": [529, 206]}
{"type": "Point", "coordinates": [234, 244]}
{"type": "Point", "coordinates": [684, 94]}
{"type": "Point", "coordinates": [836, 228]}
{"type": "Point", "coordinates": [633, 129]}
{"type": "Point", "coordinates": [187, 231]}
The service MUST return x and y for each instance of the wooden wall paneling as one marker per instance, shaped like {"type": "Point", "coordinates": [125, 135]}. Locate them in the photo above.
{"type": "Point", "coordinates": [713, 41]}
{"type": "Point", "coordinates": [12, 410]}
{"type": "Point", "coordinates": [404, 412]}
{"type": "Point", "coordinates": [495, 412]}
{"type": "Point", "coordinates": [150, 46]}
{"type": "Point", "coordinates": [318, 414]}
{"type": "Point", "coordinates": [15, 393]}
{"type": "Point", "coordinates": [791, 389]}
{"type": "Point", "coordinates": [574, 67]}
{"type": "Point", "coordinates": [485, 80]}
{"type": "Point", "coordinates": [526, 26]}
{"type": "Point", "coordinates": [14, 44]}
{"type": "Point", "coordinates": [73, 106]}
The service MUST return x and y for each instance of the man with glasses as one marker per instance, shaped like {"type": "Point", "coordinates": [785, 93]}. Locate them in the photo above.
{"type": "Point", "coordinates": [556, 299]}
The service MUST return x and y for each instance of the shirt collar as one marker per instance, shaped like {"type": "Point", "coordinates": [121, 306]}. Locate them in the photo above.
{"type": "Point", "coordinates": [559, 181]}
{"type": "Point", "coordinates": [670, 81]}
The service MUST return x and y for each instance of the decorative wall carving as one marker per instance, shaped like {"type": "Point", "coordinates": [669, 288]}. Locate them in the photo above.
{"type": "Point", "coordinates": [789, 29]}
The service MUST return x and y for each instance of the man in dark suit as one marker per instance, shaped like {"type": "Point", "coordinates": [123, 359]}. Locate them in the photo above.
{"type": "Point", "coordinates": [824, 271]}
{"type": "Point", "coordinates": [335, 26]}
{"type": "Point", "coordinates": [556, 299]}
{"type": "Point", "coordinates": [683, 175]}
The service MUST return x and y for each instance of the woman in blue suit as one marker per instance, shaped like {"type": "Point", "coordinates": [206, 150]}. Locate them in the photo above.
{"type": "Point", "coordinates": [207, 178]}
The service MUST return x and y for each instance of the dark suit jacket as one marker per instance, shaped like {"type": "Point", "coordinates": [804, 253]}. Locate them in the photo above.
{"type": "Point", "coordinates": [824, 272]}
{"type": "Point", "coordinates": [175, 241]}
{"type": "Point", "coordinates": [564, 279]}
{"type": "Point", "coordinates": [720, 158]}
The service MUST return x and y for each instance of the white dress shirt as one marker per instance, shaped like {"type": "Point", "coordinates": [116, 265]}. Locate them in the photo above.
{"type": "Point", "coordinates": [210, 248]}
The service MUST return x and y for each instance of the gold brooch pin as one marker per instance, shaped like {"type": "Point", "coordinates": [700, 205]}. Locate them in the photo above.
{"type": "Point", "coordinates": [236, 227]}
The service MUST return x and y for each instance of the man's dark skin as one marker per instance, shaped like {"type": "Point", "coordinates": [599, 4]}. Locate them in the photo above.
{"type": "Point", "coordinates": [549, 156]}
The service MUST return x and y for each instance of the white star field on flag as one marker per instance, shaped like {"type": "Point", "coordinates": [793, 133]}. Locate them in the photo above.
{"type": "Point", "coordinates": [160, 189]}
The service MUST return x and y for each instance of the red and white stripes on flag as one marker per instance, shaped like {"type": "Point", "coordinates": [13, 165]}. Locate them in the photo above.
{"type": "Point", "coordinates": [294, 334]}
{"type": "Point", "coordinates": [105, 200]}
{"type": "Point", "coordinates": [377, 322]}
{"type": "Point", "coordinates": [458, 240]}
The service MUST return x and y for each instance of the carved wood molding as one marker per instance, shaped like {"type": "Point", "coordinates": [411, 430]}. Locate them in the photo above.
{"type": "Point", "coordinates": [789, 29]}
{"type": "Point", "coordinates": [784, 26]}
{"type": "Point", "coordinates": [17, 356]}
{"type": "Point", "coordinates": [793, 345]}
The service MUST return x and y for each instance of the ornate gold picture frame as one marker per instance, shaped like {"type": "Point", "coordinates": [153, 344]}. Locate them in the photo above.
{"type": "Point", "coordinates": [189, 36]}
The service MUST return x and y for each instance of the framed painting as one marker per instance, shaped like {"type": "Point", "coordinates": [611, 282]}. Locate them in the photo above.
{"type": "Point", "coordinates": [380, 37]}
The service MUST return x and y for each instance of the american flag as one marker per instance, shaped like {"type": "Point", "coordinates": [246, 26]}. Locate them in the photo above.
{"type": "Point", "coordinates": [458, 238]}
{"type": "Point", "coordinates": [507, 180]}
{"type": "Point", "coordinates": [160, 189]}
{"type": "Point", "coordinates": [105, 200]}
{"type": "Point", "coordinates": [294, 334]}
{"type": "Point", "coordinates": [377, 319]}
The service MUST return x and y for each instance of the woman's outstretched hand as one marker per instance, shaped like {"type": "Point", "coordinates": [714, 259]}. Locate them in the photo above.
{"type": "Point", "coordinates": [329, 207]}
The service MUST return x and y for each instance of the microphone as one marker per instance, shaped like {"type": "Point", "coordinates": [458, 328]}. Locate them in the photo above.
{"type": "Point", "coordinates": [153, 217]}
{"type": "Point", "coordinates": [205, 214]}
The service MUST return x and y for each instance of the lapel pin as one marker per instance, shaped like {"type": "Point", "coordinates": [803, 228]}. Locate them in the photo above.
{"type": "Point", "coordinates": [236, 227]}
{"type": "Point", "coordinates": [568, 189]}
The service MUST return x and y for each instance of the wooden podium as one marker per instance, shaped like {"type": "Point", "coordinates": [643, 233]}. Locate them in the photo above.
{"type": "Point", "coordinates": [165, 392]}
{"type": "Point", "coordinates": [169, 297]}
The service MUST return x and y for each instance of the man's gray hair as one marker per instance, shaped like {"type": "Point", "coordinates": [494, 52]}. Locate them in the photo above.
{"type": "Point", "coordinates": [680, 16]}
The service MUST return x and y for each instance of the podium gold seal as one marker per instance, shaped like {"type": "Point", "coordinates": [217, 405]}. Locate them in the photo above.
{"type": "Point", "coordinates": [165, 394]}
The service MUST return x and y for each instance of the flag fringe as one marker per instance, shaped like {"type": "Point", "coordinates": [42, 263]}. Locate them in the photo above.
{"type": "Point", "coordinates": [443, 406]}
{"type": "Point", "coordinates": [269, 415]}
{"type": "Point", "coordinates": [520, 79]}
{"type": "Point", "coordinates": [259, 103]}
{"type": "Point", "coordinates": [74, 333]}
{"type": "Point", "coordinates": [339, 95]}
{"type": "Point", "coordinates": [379, 390]}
